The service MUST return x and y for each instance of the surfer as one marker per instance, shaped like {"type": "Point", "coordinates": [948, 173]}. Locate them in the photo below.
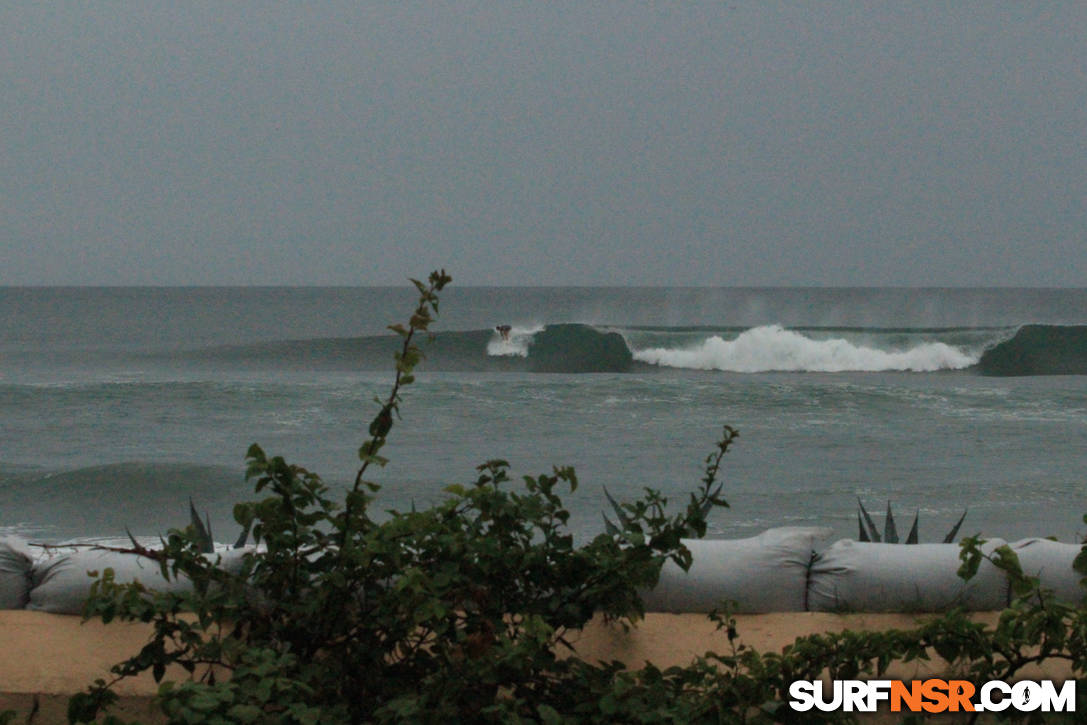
{"type": "Point", "coordinates": [504, 331]}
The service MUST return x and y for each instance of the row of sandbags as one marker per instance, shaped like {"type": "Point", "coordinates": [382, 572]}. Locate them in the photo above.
{"type": "Point", "coordinates": [60, 584]}
{"type": "Point", "coordinates": [780, 570]}
{"type": "Point", "coordinates": [786, 570]}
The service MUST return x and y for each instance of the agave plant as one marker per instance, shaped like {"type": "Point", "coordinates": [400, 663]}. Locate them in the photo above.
{"type": "Point", "coordinates": [890, 533]}
{"type": "Point", "coordinates": [203, 532]}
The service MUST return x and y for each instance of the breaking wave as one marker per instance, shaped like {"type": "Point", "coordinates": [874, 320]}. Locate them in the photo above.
{"type": "Point", "coordinates": [1038, 350]}
{"type": "Point", "coordinates": [773, 348]}
{"type": "Point", "coordinates": [582, 348]}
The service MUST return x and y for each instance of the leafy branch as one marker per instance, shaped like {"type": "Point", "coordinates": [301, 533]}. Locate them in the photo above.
{"type": "Point", "coordinates": [406, 358]}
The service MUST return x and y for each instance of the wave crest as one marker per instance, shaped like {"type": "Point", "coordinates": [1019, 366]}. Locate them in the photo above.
{"type": "Point", "coordinates": [1039, 350]}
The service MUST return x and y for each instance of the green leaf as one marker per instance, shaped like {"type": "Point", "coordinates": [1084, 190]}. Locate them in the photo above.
{"type": "Point", "coordinates": [1079, 564]}
{"type": "Point", "coordinates": [244, 713]}
{"type": "Point", "coordinates": [203, 701]}
{"type": "Point", "coordinates": [382, 423]}
{"type": "Point", "coordinates": [548, 715]}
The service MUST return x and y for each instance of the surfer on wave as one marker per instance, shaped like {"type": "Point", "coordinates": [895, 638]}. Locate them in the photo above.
{"type": "Point", "coordinates": [504, 331]}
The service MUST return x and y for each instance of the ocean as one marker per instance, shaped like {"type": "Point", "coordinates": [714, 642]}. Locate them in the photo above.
{"type": "Point", "coordinates": [118, 405]}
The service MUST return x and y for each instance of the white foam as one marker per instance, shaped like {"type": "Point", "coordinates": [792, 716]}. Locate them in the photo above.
{"type": "Point", "coordinates": [773, 348]}
{"type": "Point", "coordinates": [517, 344]}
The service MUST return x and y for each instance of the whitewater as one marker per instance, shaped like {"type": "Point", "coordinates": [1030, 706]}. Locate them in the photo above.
{"type": "Point", "coordinates": [515, 343]}
{"type": "Point", "coordinates": [773, 348]}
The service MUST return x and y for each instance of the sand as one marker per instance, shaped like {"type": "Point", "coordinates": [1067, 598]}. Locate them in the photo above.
{"type": "Point", "coordinates": [46, 657]}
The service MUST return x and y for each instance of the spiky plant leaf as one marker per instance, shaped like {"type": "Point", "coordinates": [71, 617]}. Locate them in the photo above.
{"type": "Point", "coordinates": [911, 538]}
{"type": "Point", "coordinates": [873, 533]}
{"type": "Point", "coordinates": [862, 535]}
{"type": "Point", "coordinates": [890, 533]}
{"type": "Point", "coordinates": [244, 535]}
{"type": "Point", "coordinates": [950, 538]}
{"type": "Point", "coordinates": [624, 519]}
{"type": "Point", "coordinates": [203, 535]}
{"type": "Point", "coordinates": [610, 528]}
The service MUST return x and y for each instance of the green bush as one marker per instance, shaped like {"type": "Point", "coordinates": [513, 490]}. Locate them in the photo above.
{"type": "Point", "coordinates": [455, 613]}
{"type": "Point", "coordinates": [460, 613]}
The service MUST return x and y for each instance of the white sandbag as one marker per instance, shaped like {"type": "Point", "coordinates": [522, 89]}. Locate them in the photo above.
{"type": "Point", "coordinates": [853, 576]}
{"type": "Point", "coordinates": [1051, 562]}
{"type": "Point", "coordinates": [764, 573]}
{"type": "Point", "coordinates": [60, 585]}
{"type": "Point", "coordinates": [15, 566]}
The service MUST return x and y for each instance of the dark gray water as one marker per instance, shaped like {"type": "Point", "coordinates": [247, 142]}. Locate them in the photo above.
{"type": "Point", "coordinates": [116, 405]}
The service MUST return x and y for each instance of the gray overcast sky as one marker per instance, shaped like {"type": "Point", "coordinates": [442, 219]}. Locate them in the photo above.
{"type": "Point", "coordinates": [831, 143]}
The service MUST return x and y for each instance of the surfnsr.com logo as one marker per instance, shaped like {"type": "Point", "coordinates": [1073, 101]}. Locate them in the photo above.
{"type": "Point", "coordinates": [933, 696]}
